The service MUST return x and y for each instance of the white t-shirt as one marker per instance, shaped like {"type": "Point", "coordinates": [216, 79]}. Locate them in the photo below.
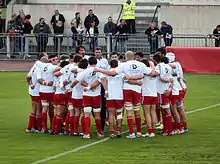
{"type": "Point", "coordinates": [149, 87]}
{"type": "Point", "coordinates": [115, 87]}
{"type": "Point", "coordinates": [133, 68]}
{"type": "Point", "coordinates": [164, 70]}
{"type": "Point", "coordinates": [77, 91]}
{"type": "Point", "coordinates": [176, 85]}
{"type": "Point", "coordinates": [103, 64]}
{"type": "Point", "coordinates": [46, 73]}
{"type": "Point", "coordinates": [33, 74]}
{"type": "Point", "coordinates": [89, 76]}
{"type": "Point", "coordinates": [180, 74]}
{"type": "Point", "coordinates": [56, 83]}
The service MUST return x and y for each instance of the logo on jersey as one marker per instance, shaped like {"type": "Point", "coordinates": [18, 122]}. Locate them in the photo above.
{"type": "Point", "coordinates": [45, 69]}
{"type": "Point", "coordinates": [134, 68]}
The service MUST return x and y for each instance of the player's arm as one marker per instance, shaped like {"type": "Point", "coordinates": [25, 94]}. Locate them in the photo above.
{"type": "Point", "coordinates": [166, 80]}
{"type": "Point", "coordinates": [106, 72]}
{"type": "Point", "coordinates": [84, 84]}
{"type": "Point", "coordinates": [74, 82]}
{"type": "Point", "coordinates": [139, 77]}
{"type": "Point", "coordinates": [135, 82]}
{"type": "Point", "coordinates": [75, 70]}
{"type": "Point", "coordinates": [57, 74]}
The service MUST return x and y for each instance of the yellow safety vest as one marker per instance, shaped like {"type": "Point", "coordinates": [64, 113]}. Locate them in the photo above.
{"type": "Point", "coordinates": [129, 11]}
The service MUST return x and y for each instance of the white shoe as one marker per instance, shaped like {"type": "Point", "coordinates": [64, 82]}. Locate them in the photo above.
{"type": "Point", "coordinates": [130, 136]}
{"type": "Point", "coordinates": [151, 135]}
{"type": "Point", "coordinates": [28, 131]}
{"type": "Point", "coordinates": [146, 135]}
{"type": "Point", "coordinates": [138, 135]}
{"type": "Point", "coordinates": [86, 136]}
{"type": "Point", "coordinates": [100, 135]}
{"type": "Point", "coordinates": [81, 134]}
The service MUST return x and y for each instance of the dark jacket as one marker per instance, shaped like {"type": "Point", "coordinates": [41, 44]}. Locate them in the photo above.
{"type": "Point", "coordinates": [110, 27]}
{"type": "Point", "coordinates": [75, 33]}
{"type": "Point", "coordinates": [216, 32]}
{"type": "Point", "coordinates": [27, 27]}
{"type": "Point", "coordinates": [53, 20]}
{"type": "Point", "coordinates": [166, 30]}
{"type": "Point", "coordinates": [41, 32]}
{"type": "Point", "coordinates": [58, 30]}
{"type": "Point", "coordinates": [150, 36]}
{"type": "Point", "coordinates": [89, 19]}
{"type": "Point", "coordinates": [122, 29]}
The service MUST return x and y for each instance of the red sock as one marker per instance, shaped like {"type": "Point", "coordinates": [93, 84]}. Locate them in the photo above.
{"type": "Point", "coordinates": [165, 128]}
{"type": "Point", "coordinates": [98, 126]}
{"type": "Point", "coordinates": [158, 113]}
{"type": "Point", "coordinates": [39, 122]}
{"type": "Point", "coordinates": [130, 124]}
{"type": "Point", "coordinates": [153, 130]}
{"type": "Point", "coordinates": [35, 122]}
{"type": "Point", "coordinates": [67, 118]}
{"type": "Point", "coordinates": [76, 124]}
{"type": "Point", "coordinates": [174, 125]}
{"type": "Point", "coordinates": [178, 126]}
{"type": "Point", "coordinates": [185, 125]}
{"type": "Point", "coordinates": [59, 124]}
{"type": "Point", "coordinates": [44, 120]}
{"type": "Point", "coordinates": [87, 123]}
{"type": "Point", "coordinates": [54, 124]}
{"type": "Point", "coordinates": [31, 121]}
{"type": "Point", "coordinates": [51, 115]}
{"type": "Point", "coordinates": [112, 131]}
{"type": "Point", "coordinates": [149, 130]}
{"type": "Point", "coordinates": [169, 124]}
{"type": "Point", "coordinates": [82, 124]}
{"type": "Point", "coordinates": [71, 122]}
{"type": "Point", "coordinates": [138, 124]}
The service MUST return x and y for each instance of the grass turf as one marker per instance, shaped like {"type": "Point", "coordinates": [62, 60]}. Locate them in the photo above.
{"type": "Point", "coordinates": [200, 145]}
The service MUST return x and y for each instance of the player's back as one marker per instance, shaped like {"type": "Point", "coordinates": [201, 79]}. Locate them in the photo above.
{"type": "Point", "coordinates": [77, 91]}
{"type": "Point", "coordinates": [149, 87]}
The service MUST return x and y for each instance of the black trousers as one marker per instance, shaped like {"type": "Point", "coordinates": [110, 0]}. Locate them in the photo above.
{"type": "Point", "coordinates": [217, 43]}
{"type": "Point", "coordinates": [131, 26]}
{"type": "Point", "coordinates": [57, 42]}
{"type": "Point", "coordinates": [103, 108]}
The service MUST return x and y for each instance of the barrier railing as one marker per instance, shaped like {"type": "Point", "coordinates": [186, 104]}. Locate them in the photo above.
{"type": "Point", "coordinates": [26, 46]}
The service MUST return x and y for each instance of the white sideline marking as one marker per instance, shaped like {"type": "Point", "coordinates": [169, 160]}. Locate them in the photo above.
{"type": "Point", "coordinates": [105, 139]}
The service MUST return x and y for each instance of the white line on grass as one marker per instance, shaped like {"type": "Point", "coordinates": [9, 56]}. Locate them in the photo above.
{"type": "Point", "coordinates": [105, 139]}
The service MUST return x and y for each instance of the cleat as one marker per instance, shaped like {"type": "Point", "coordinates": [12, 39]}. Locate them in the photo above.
{"type": "Point", "coordinates": [100, 135]}
{"type": "Point", "coordinates": [160, 127]}
{"type": "Point", "coordinates": [28, 131]}
{"type": "Point", "coordinates": [146, 135]}
{"type": "Point", "coordinates": [185, 130]}
{"type": "Point", "coordinates": [151, 135]}
{"type": "Point", "coordinates": [138, 135]}
{"type": "Point", "coordinates": [118, 134]}
{"type": "Point", "coordinates": [164, 134]}
{"type": "Point", "coordinates": [112, 135]}
{"type": "Point", "coordinates": [61, 134]}
{"type": "Point", "coordinates": [75, 134]}
{"type": "Point", "coordinates": [52, 133]}
{"type": "Point", "coordinates": [86, 136]}
{"type": "Point", "coordinates": [131, 136]}
{"type": "Point", "coordinates": [81, 134]}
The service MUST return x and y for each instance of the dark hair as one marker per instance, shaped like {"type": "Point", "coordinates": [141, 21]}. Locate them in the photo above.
{"type": "Point", "coordinates": [139, 54]}
{"type": "Point", "coordinates": [146, 62]}
{"type": "Point", "coordinates": [77, 58]}
{"type": "Point", "coordinates": [71, 56]}
{"type": "Point", "coordinates": [218, 26]}
{"type": "Point", "coordinates": [40, 19]}
{"type": "Point", "coordinates": [162, 50]}
{"type": "Point", "coordinates": [157, 58]}
{"type": "Point", "coordinates": [64, 57]}
{"type": "Point", "coordinates": [52, 56]}
{"type": "Point", "coordinates": [165, 60]}
{"type": "Point", "coordinates": [92, 61]}
{"type": "Point", "coordinates": [64, 63]}
{"type": "Point", "coordinates": [163, 22]}
{"type": "Point", "coordinates": [90, 9]}
{"type": "Point", "coordinates": [77, 13]}
{"type": "Point", "coordinates": [41, 54]}
{"type": "Point", "coordinates": [113, 63]}
{"type": "Point", "coordinates": [98, 49]}
{"type": "Point", "coordinates": [83, 64]}
{"type": "Point", "coordinates": [114, 53]}
{"type": "Point", "coordinates": [28, 16]}
{"type": "Point", "coordinates": [78, 48]}
{"type": "Point", "coordinates": [121, 20]}
{"type": "Point", "coordinates": [109, 17]}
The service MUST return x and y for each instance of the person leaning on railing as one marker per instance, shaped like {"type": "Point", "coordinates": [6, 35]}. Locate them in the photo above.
{"type": "Point", "coordinates": [41, 31]}
{"type": "Point", "coordinates": [216, 35]}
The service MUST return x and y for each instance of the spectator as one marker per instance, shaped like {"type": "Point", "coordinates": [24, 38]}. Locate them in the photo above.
{"type": "Point", "coordinates": [91, 18]}
{"type": "Point", "coordinates": [11, 32]}
{"type": "Point", "coordinates": [109, 29]}
{"type": "Point", "coordinates": [129, 15]}
{"type": "Point", "coordinates": [139, 56]}
{"type": "Point", "coordinates": [152, 32]}
{"type": "Point", "coordinates": [121, 36]}
{"type": "Point", "coordinates": [57, 17]}
{"type": "Point", "coordinates": [167, 32]}
{"type": "Point", "coordinates": [75, 33]}
{"type": "Point", "coordinates": [21, 14]}
{"type": "Point", "coordinates": [58, 38]}
{"type": "Point", "coordinates": [41, 30]}
{"type": "Point", "coordinates": [77, 19]}
{"type": "Point", "coordinates": [14, 16]}
{"type": "Point", "coordinates": [92, 33]}
{"type": "Point", "coordinates": [27, 31]}
{"type": "Point", "coordinates": [216, 35]}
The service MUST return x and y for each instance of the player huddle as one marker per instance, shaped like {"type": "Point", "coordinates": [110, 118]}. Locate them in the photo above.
{"type": "Point", "coordinates": [73, 89]}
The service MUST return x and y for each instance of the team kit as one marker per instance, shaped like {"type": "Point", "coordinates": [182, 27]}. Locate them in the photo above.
{"type": "Point", "coordinates": [69, 89]}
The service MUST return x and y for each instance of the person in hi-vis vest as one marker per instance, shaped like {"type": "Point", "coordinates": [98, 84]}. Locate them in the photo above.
{"type": "Point", "coordinates": [129, 15]}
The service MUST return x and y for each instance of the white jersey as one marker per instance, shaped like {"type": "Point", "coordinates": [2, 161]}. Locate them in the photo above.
{"type": "Point", "coordinates": [103, 64]}
{"type": "Point", "coordinates": [149, 87]}
{"type": "Point", "coordinates": [33, 74]}
{"type": "Point", "coordinates": [46, 73]}
{"type": "Point", "coordinates": [89, 76]}
{"type": "Point", "coordinates": [133, 68]}
{"type": "Point", "coordinates": [180, 74]}
{"type": "Point", "coordinates": [57, 84]}
{"type": "Point", "coordinates": [164, 71]}
{"type": "Point", "coordinates": [77, 91]}
{"type": "Point", "coordinates": [176, 85]}
{"type": "Point", "coordinates": [115, 87]}
{"type": "Point", "coordinates": [66, 73]}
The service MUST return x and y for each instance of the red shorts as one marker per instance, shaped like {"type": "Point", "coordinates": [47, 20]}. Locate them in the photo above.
{"type": "Point", "coordinates": [164, 99]}
{"type": "Point", "coordinates": [174, 99]}
{"type": "Point", "coordinates": [35, 99]}
{"type": "Point", "coordinates": [92, 101]}
{"type": "Point", "coordinates": [182, 95]}
{"type": "Point", "coordinates": [132, 97]}
{"type": "Point", "coordinates": [149, 100]}
{"type": "Point", "coordinates": [60, 99]}
{"type": "Point", "coordinates": [69, 97]}
{"type": "Point", "coordinates": [47, 96]}
{"type": "Point", "coordinates": [77, 103]}
{"type": "Point", "coordinates": [118, 104]}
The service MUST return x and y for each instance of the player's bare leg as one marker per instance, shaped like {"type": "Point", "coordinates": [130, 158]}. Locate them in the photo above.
{"type": "Point", "coordinates": [182, 113]}
{"type": "Point", "coordinates": [176, 117]}
{"type": "Point", "coordinates": [128, 108]}
{"type": "Point", "coordinates": [111, 115]}
{"type": "Point", "coordinates": [119, 118]}
{"type": "Point", "coordinates": [153, 118]}
{"type": "Point", "coordinates": [147, 117]}
{"type": "Point", "coordinates": [98, 121]}
{"type": "Point", "coordinates": [45, 109]}
{"type": "Point", "coordinates": [137, 119]}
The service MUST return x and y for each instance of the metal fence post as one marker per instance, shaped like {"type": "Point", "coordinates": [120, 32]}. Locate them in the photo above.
{"type": "Point", "coordinates": [8, 46]}
{"type": "Point", "coordinates": [206, 40]}
{"type": "Point", "coordinates": [58, 49]}
{"type": "Point", "coordinates": [108, 46]}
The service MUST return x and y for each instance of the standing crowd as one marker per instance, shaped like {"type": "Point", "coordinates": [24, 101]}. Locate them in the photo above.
{"type": "Point", "coordinates": [79, 87]}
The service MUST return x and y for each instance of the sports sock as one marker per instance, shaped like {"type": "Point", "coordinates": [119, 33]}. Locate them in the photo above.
{"type": "Point", "coordinates": [98, 125]}
{"type": "Point", "coordinates": [76, 124]}
{"type": "Point", "coordinates": [130, 124]}
{"type": "Point", "coordinates": [44, 120]}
